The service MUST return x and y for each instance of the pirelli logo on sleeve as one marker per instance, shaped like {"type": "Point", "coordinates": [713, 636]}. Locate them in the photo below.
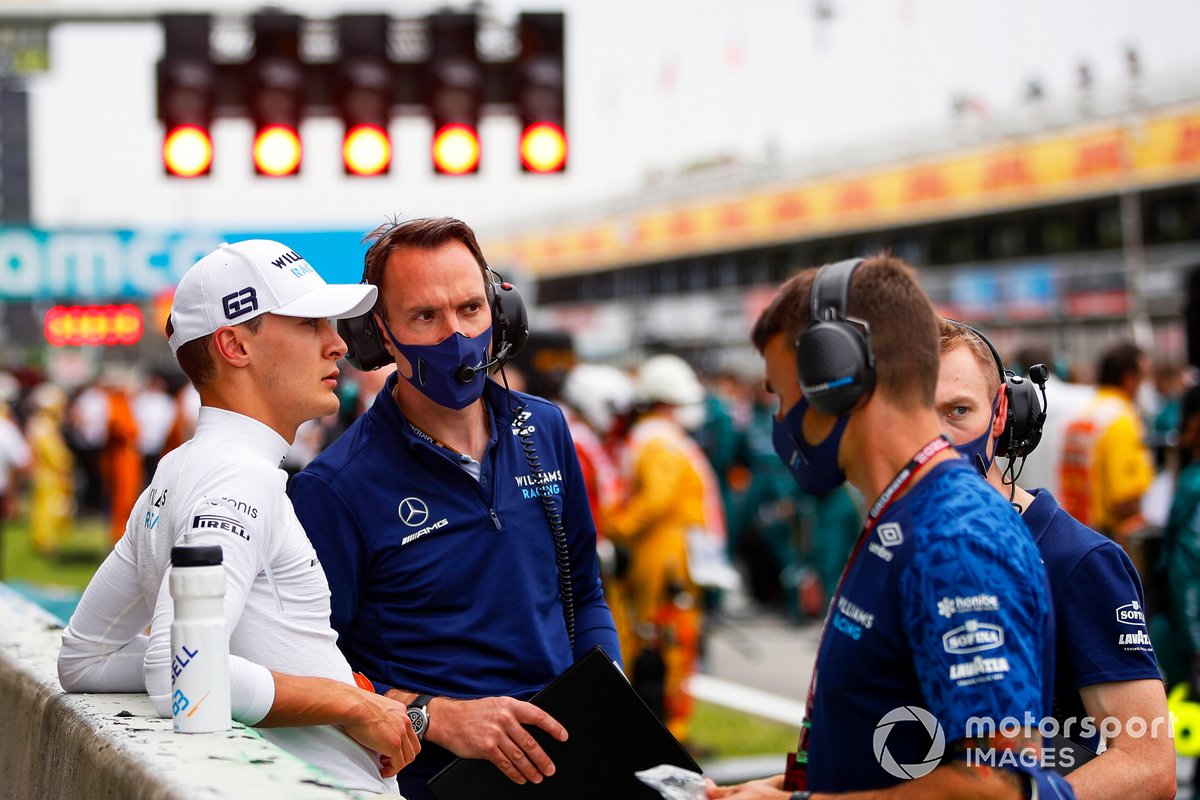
{"type": "Point", "coordinates": [203, 522]}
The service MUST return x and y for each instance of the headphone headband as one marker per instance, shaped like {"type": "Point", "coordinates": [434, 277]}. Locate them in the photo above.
{"type": "Point", "coordinates": [995, 353]}
{"type": "Point", "coordinates": [831, 289]}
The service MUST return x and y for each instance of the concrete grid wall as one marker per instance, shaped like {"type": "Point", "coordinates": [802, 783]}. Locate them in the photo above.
{"type": "Point", "coordinates": [82, 746]}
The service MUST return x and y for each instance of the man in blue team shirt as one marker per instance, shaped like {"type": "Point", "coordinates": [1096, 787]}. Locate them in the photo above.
{"type": "Point", "coordinates": [429, 519]}
{"type": "Point", "coordinates": [937, 625]}
{"type": "Point", "coordinates": [1105, 666]}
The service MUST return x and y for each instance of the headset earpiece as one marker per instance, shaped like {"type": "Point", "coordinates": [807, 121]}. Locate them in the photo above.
{"type": "Point", "coordinates": [834, 360]}
{"type": "Point", "coordinates": [510, 320]}
{"type": "Point", "coordinates": [365, 349]}
{"type": "Point", "coordinates": [1026, 417]}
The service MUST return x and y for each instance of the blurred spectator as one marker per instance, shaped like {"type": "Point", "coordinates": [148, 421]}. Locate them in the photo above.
{"type": "Point", "coordinates": [607, 392]}
{"type": "Point", "coordinates": [154, 410]}
{"type": "Point", "coordinates": [121, 465]}
{"type": "Point", "coordinates": [1166, 419]}
{"type": "Point", "coordinates": [15, 457]}
{"type": "Point", "coordinates": [87, 434]}
{"type": "Point", "coordinates": [1106, 466]}
{"type": "Point", "coordinates": [1064, 402]}
{"type": "Point", "coordinates": [722, 437]}
{"type": "Point", "coordinates": [52, 496]}
{"type": "Point", "coordinates": [673, 496]}
{"type": "Point", "coordinates": [1178, 645]}
{"type": "Point", "coordinates": [187, 411]}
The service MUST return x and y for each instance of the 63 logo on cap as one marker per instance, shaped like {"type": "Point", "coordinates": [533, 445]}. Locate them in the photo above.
{"type": "Point", "coordinates": [240, 303]}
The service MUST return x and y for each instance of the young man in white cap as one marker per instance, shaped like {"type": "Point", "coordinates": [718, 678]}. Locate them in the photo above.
{"type": "Point", "coordinates": [250, 328]}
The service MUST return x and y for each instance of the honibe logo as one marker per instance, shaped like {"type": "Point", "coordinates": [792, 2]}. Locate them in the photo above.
{"type": "Point", "coordinates": [908, 717]}
{"type": "Point", "coordinates": [413, 511]}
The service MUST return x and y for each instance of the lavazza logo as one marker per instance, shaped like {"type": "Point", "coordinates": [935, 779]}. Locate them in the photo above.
{"type": "Point", "coordinates": [914, 726]}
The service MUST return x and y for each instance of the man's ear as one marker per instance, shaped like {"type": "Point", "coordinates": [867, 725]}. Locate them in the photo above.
{"type": "Point", "coordinates": [383, 335]}
{"type": "Point", "coordinates": [1001, 417]}
{"type": "Point", "coordinates": [231, 346]}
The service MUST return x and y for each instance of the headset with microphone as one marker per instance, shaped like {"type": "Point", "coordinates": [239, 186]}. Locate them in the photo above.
{"type": "Point", "coordinates": [365, 349]}
{"type": "Point", "coordinates": [834, 360]}
{"type": "Point", "coordinates": [1026, 416]}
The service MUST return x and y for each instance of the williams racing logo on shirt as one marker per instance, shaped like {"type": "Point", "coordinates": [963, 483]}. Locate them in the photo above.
{"type": "Point", "coordinates": [544, 484]}
{"type": "Point", "coordinates": [215, 522]}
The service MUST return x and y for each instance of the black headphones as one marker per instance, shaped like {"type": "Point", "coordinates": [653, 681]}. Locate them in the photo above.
{"type": "Point", "coordinates": [1026, 416]}
{"type": "Point", "coordinates": [365, 349]}
{"type": "Point", "coordinates": [834, 361]}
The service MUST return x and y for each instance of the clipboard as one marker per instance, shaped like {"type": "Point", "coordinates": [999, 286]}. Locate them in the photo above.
{"type": "Point", "coordinates": [612, 734]}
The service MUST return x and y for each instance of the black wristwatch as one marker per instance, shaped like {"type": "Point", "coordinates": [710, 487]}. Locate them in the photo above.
{"type": "Point", "coordinates": [418, 715]}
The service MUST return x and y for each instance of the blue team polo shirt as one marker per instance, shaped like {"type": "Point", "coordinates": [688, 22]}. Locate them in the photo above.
{"type": "Point", "coordinates": [1099, 608]}
{"type": "Point", "coordinates": [446, 583]}
{"type": "Point", "coordinates": [947, 609]}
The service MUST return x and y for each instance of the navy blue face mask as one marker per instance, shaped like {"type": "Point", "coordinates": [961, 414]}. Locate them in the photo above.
{"type": "Point", "coordinates": [975, 451]}
{"type": "Point", "coordinates": [815, 467]}
{"type": "Point", "coordinates": [436, 367]}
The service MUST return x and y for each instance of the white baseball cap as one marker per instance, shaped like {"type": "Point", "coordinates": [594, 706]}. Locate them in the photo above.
{"type": "Point", "coordinates": [238, 282]}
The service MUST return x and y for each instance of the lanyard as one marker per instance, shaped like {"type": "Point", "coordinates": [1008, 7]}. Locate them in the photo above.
{"type": "Point", "coordinates": [876, 511]}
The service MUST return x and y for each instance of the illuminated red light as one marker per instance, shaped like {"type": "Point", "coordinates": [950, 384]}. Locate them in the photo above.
{"type": "Point", "coordinates": [75, 326]}
{"type": "Point", "coordinates": [456, 149]}
{"type": "Point", "coordinates": [277, 151]}
{"type": "Point", "coordinates": [187, 151]}
{"type": "Point", "coordinates": [544, 147]}
{"type": "Point", "coordinates": [366, 150]}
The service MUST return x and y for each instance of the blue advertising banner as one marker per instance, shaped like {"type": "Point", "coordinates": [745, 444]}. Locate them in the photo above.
{"type": "Point", "coordinates": [125, 264]}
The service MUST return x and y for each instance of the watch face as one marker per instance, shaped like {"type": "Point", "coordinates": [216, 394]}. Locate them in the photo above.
{"type": "Point", "coordinates": [418, 719]}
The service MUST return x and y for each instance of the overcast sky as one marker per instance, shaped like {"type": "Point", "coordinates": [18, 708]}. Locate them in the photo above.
{"type": "Point", "coordinates": [653, 87]}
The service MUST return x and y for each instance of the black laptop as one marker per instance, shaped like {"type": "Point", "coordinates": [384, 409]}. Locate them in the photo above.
{"type": "Point", "coordinates": [612, 734]}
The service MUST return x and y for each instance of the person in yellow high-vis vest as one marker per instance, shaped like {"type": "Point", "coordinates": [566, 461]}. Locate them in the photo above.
{"type": "Point", "coordinates": [673, 495]}
{"type": "Point", "coordinates": [52, 483]}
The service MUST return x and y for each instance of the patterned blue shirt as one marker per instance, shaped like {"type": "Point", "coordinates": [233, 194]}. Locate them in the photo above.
{"type": "Point", "coordinates": [946, 609]}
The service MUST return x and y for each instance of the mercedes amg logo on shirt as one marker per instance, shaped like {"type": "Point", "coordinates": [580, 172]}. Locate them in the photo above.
{"type": "Point", "coordinates": [413, 511]}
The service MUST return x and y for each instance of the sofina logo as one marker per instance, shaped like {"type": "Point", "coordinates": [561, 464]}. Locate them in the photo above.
{"type": "Point", "coordinates": [908, 716]}
{"type": "Point", "coordinates": [1131, 614]}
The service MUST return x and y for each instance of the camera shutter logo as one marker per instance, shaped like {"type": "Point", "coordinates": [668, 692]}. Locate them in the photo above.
{"type": "Point", "coordinates": [413, 511]}
{"type": "Point", "coordinates": [937, 745]}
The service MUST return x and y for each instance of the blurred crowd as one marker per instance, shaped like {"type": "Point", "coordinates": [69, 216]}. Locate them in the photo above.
{"type": "Point", "coordinates": [688, 495]}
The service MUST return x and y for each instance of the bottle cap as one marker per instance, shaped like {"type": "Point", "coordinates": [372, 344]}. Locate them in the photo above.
{"type": "Point", "coordinates": [196, 556]}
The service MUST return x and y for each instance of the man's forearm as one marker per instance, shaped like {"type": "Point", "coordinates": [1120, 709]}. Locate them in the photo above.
{"type": "Point", "coordinates": [314, 701]}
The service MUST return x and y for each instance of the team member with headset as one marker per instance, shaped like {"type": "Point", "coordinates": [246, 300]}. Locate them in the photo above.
{"type": "Point", "coordinates": [936, 619]}
{"type": "Point", "coordinates": [1105, 666]}
{"type": "Point", "coordinates": [451, 518]}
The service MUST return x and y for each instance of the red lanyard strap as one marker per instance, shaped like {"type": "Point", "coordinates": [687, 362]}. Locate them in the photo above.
{"type": "Point", "coordinates": [881, 504]}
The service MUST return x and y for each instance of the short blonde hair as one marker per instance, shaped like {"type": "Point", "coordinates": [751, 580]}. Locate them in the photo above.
{"type": "Point", "coordinates": [955, 334]}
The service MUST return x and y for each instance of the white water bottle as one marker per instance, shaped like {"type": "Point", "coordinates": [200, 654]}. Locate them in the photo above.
{"type": "Point", "coordinates": [199, 640]}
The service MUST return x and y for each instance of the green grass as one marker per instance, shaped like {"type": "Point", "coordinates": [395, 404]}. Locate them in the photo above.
{"type": "Point", "coordinates": [82, 550]}
{"type": "Point", "coordinates": [722, 733]}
